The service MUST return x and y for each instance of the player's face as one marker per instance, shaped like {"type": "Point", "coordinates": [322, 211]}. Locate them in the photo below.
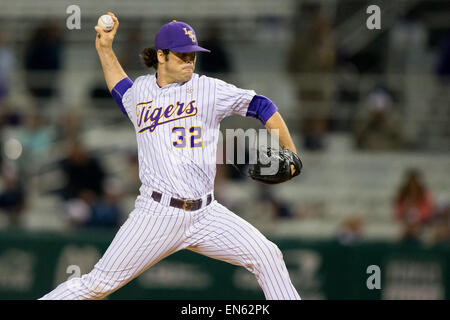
{"type": "Point", "coordinates": [180, 65]}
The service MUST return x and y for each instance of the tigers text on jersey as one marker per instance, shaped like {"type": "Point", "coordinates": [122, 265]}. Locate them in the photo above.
{"type": "Point", "coordinates": [177, 129]}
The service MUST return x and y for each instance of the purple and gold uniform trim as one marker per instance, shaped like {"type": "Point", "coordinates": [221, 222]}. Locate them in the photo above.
{"type": "Point", "coordinates": [261, 108]}
{"type": "Point", "coordinates": [119, 90]}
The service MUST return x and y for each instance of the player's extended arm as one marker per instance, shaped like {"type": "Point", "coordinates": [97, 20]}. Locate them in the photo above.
{"type": "Point", "coordinates": [111, 67]}
{"type": "Point", "coordinates": [284, 138]}
{"type": "Point", "coordinates": [265, 110]}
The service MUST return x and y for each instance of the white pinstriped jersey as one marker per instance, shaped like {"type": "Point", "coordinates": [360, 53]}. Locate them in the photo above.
{"type": "Point", "coordinates": [177, 130]}
{"type": "Point", "coordinates": [177, 133]}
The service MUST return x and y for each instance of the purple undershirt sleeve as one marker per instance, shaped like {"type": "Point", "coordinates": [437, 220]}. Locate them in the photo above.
{"type": "Point", "coordinates": [261, 108]}
{"type": "Point", "coordinates": [119, 90]}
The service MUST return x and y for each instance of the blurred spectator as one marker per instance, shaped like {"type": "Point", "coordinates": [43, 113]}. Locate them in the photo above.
{"type": "Point", "coordinates": [281, 209]}
{"type": "Point", "coordinates": [443, 61]}
{"type": "Point", "coordinates": [69, 126]}
{"type": "Point", "coordinates": [12, 195]}
{"type": "Point", "coordinates": [43, 55]}
{"type": "Point", "coordinates": [441, 224]}
{"type": "Point", "coordinates": [378, 126]}
{"type": "Point", "coordinates": [313, 49]}
{"type": "Point", "coordinates": [347, 98]}
{"type": "Point", "coordinates": [407, 44]}
{"type": "Point", "coordinates": [218, 60]}
{"type": "Point", "coordinates": [413, 206]}
{"type": "Point", "coordinates": [10, 116]}
{"type": "Point", "coordinates": [83, 172]}
{"type": "Point", "coordinates": [91, 211]}
{"type": "Point", "coordinates": [6, 66]}
{"type": "Point", "coordinates": [313, 133]}
{"type": "Point", "coordinates": [78, 210]}
{"type": "Point", "coordinates": [313, 54]}
{"type": "Point", "coordinates": [350, 231]}
{"type": "Point", "coordinates": [36, 139]}
{"type": "Point", "coordinates": [106, 212]}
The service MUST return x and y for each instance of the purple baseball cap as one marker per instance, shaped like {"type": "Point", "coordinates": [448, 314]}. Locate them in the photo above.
{"type": "Point", "coordinates": [177, 36]}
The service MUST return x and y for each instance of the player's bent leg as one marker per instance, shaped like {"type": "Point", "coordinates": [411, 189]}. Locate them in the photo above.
{"type": "Point", "coordinates": [142, 241]}
{"type": "Point", "coordinates": [227, 237]}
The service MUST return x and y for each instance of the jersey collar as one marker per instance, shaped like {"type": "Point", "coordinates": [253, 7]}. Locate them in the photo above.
{"type": "Point", "coordinates": [171, 85]}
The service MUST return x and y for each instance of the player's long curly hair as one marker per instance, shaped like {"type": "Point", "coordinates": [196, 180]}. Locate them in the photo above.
{"type": "Point", "coordinates": [150, 59]}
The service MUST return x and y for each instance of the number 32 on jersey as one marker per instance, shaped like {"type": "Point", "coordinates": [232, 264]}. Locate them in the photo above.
{"type": "Point", "coordinates": [193, 137]}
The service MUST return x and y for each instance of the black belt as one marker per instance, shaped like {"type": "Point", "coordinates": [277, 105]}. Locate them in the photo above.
{"type": "Point", "coordinates": [188, 205]}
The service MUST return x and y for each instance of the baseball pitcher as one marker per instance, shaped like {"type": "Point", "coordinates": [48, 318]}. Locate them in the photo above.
{"type": "Point", "coordinates": [176, 114]}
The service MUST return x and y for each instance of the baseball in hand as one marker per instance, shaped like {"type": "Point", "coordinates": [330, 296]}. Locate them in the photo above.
{"type": "Point", "coordinates": [106, 22]}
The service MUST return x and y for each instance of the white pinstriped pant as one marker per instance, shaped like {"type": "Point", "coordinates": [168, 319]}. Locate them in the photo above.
{"type": "Point", "coordinates": [154, 231]}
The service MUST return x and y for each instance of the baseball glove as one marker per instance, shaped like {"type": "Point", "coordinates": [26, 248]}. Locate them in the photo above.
{"type": "Point", "coordinates": [274, 166]}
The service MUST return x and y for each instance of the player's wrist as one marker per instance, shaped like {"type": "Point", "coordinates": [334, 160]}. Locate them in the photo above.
{"type": "Point", "coordinates": [290, 148]}
{"type": "Point", "coordinates": [106, 54]}
{"type": "Point", "coordinates": [105, 49]}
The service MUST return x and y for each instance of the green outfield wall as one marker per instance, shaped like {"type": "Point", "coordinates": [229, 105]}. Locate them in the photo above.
{"type": "Point", "coordinates": [32, 263]}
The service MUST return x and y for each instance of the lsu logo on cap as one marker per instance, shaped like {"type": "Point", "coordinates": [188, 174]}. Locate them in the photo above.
{"type": "Point", "coordinates": [190, 34]}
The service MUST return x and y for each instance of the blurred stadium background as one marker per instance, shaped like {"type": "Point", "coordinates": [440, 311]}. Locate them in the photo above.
{"type": "Point", "coordinates": [369, 111]}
